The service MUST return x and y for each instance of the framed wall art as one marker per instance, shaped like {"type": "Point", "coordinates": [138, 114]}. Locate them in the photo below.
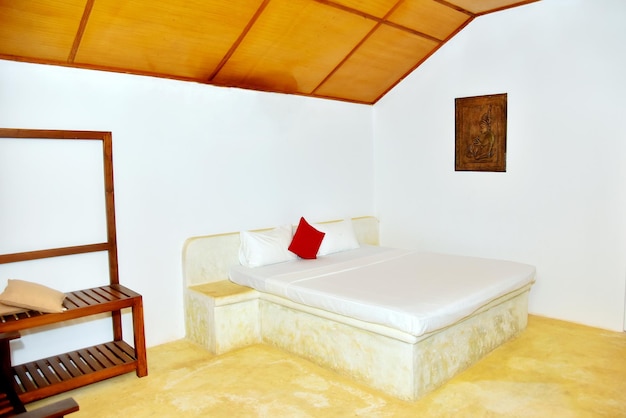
{"type": "Point", "coordinates": [480, 137]}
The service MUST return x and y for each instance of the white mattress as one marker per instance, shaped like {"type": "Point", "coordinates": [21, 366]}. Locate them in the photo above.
{"type": "Point", "coordinates": [412, 291]}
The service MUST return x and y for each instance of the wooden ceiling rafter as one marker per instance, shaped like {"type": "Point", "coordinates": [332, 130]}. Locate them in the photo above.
{"type": "Point", "coordinates": [81, 30]}
{"type": "Point", "coordinates": [452, 5]}
{"type": "Point", "coordinates": [455, 7]}
{"type": "Point", "coordinates": [499, 9]}
{"type": "Point", "coordinates": [239, 40]}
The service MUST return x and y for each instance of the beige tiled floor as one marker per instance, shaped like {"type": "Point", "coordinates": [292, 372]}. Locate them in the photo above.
{"type": "Point", "coordinates": [554, 369]}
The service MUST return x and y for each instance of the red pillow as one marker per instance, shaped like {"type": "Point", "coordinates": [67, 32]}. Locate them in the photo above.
{"type": "Point", "coordinates": [306, 241]}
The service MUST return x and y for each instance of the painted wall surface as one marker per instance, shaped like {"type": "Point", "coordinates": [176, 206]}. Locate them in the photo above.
{"type": "Point", "coordinates": [191, 159]}
{"type": "Point", "coordinates": [561, 205]}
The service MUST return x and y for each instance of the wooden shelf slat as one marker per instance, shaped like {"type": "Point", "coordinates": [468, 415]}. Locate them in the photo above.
{"type": "Point", "coordinates": [60, 370]}
{"type": "Point", "coordinates": [44, 367]}
{"type": "Point", "coordinates": [65, 362]}
{"type": "Point", "coordinates": [102, 360]}
{"type": "Point", "coordinates": [79, 362]}
{"type": "Point", "coordinates": [95, 296]}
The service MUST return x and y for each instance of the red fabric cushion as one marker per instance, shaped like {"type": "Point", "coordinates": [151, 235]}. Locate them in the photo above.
{"type": "Point", "coordinates": [306, 241]}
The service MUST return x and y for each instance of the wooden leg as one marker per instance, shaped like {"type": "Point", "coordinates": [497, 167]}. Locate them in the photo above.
{"type": "Point", "coordinates": [5, 351]}
{"type": "Point", "coordinates": [140, 338]}
{"type": "Point", "coordinates": [6, 378]}
{"type": "Point", "coordinates": [116, 317]}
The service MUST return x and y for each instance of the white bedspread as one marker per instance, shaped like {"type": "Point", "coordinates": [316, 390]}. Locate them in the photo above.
{"type": "Point", "coordinates": [412, 291]}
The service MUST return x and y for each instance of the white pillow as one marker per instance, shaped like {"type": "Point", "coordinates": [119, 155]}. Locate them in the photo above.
{"type": "Point", "coordinates": [339, 236]}
{"type": "Point", "coordinates": [259, 248]}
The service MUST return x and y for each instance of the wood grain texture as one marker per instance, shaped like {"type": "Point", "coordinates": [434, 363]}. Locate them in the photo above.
{"type": "Point", "coordinates": [287, 46]}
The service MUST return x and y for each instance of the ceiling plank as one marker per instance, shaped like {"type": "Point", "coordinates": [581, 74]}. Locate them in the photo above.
{"type": "Point", "coordinates": [183, 39]}
{"type": "Point", "coordinates": [377, 65]}
{"type": "Point", "coordinates": [39, 29]}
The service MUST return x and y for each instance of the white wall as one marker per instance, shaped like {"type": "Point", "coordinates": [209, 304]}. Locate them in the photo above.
{"type": "Point", "coordinates": [561, 205]}
{"type": "Point", "coordinates": [191, 159]}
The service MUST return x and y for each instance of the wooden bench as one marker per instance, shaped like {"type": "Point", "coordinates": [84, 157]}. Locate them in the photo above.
{"type": "Point", "coordinates": [56, 374]}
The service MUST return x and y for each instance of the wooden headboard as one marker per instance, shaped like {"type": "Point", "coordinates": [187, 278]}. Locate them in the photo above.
{"type": "Point", "coordinates": [208, 258]}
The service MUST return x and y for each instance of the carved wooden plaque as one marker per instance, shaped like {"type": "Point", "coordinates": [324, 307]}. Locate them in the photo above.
{"type": "Point", "coordinates": [480, 133]}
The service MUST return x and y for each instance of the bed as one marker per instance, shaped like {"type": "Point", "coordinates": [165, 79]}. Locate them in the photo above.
{"type": "Point", "coordinates": [360, 311]}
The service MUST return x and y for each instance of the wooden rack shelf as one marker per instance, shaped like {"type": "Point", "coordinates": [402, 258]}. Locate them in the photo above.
{"type": "Point", "coordinates": [46, 377]}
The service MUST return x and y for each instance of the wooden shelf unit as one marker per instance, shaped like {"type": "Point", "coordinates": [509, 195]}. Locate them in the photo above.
{"type": "Point", "coordinates": [50, 376]}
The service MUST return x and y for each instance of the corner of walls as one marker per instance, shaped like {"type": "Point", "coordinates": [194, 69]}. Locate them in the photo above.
{"type": "Point", "coordinates": [560, 204]}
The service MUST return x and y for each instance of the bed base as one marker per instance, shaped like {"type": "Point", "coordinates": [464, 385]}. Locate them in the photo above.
{"type": "Point", "coordinates": [406, 368]}
{"type": "Point", "coordinates": [383, 358]}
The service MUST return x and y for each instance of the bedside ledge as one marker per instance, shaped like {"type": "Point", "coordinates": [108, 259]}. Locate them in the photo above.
{"type": "Point", "coordinates": [225, 292]}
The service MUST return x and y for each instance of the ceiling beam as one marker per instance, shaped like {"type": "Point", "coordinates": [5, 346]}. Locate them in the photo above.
{"type": "Point", "coordinates": [81, 30]}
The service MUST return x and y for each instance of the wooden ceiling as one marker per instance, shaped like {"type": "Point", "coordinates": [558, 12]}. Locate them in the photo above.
{"type": "Point", "coordinates": [352, 50]}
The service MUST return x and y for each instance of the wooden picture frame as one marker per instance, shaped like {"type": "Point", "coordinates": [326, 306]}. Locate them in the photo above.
{"type": "Point", "coordinates": [480, 137]}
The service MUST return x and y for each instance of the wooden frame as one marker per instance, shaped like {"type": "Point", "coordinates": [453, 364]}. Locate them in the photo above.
{"type": "Point", "coordinates": [91, 364]}
{"type": "Point", "coordinates": [111, 245]}
{"type": "Point", "coordinates": [480, 138]}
